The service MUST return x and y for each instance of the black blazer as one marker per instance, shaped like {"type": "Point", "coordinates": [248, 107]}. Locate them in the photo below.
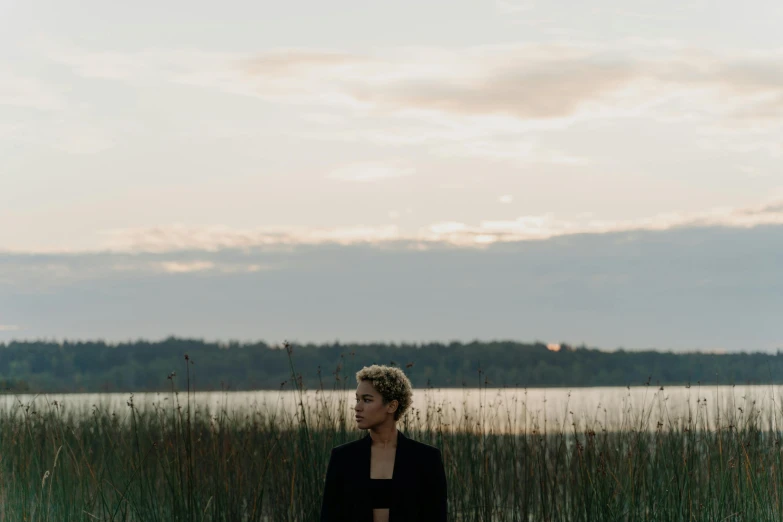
{"type": "Point", "coordinates": [419, 480]}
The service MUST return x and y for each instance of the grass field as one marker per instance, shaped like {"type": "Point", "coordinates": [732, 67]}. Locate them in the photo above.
{"type": "Point", "coordinates": [180, 463]}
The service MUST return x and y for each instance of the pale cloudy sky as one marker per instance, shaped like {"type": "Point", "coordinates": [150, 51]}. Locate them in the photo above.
{"type": "Point", "coordinates": [155, 127]}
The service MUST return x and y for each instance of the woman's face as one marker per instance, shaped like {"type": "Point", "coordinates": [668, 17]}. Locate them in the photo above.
{"type": "Point", "coordinates": [369, 409]}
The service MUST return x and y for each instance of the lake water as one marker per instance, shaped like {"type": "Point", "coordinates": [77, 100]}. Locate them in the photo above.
{"type": "Point", "coordinates": [505, 410]}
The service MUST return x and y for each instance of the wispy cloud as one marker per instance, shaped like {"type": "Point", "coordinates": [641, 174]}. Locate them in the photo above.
{"type": "Point", "coordinates": [180, 237]}
{"type": "Point", "coordinates": [43, 272]}
{"type": "Point", "coordinates": [177, 267]}
{"type": "Point", "coordinates": [83, 141]}
{"type": "Point", "coordinates": [479, 101]}
{"type": "Point", "coordinates": [9, 328]}
{"type": "Point", "coordinates": [63, 132]}
{"type": "Point", "coordinates": [61, 125]}
{"type": "Point", "coordinates": [753, 172]}
{"type": "Point", "coordinates": [27, 92]}
{"type": "Point", "coordinates": [514, 6]}
{"type": "Point", "coordinates": [518, 152]}
{"type": "Point", "coordinates": [191, 266]}
{"type": "Point", "coordinates": [304, 61]}
{"type": "Point", "coordinates": [177, 238]}
{"type": "Point", "coordinates": [546, 226]}
{"type": "Point", "coordinates": [527, 81]}
{"type": "Point", "coordinates": [369, 172]}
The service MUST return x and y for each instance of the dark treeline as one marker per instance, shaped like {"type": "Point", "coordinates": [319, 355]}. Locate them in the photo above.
{"type": "Point", "coordinates": [43, 366]}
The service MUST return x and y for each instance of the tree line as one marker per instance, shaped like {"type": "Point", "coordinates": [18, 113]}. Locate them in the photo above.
{"type": "Point", "coordinates": [96, 366]}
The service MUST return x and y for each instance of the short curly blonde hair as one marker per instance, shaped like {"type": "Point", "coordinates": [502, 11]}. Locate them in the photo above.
{"type": "Point", "coordinates": [391, 383]}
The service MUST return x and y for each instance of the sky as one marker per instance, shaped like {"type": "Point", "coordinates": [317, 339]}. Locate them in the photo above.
{"type": "Point", "coordinates": [151, 151]}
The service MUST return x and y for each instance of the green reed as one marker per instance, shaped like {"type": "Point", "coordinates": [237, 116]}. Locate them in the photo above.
{"type": "Point", "coordinates": [174, 461]}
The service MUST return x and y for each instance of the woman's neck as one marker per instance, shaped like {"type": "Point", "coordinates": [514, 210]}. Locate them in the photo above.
{"type": "Point", "coordinates": [384, 436]}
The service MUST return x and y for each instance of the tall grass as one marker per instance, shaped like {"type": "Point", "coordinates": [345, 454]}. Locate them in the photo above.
{"type": "Point", "coordinates": [178, 462]}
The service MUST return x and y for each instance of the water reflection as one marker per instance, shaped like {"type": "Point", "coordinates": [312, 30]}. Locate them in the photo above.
{"type": "Point", "coordinates": [496, 410]}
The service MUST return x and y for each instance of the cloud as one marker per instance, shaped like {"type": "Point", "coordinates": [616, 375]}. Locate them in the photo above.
{"type": "Point", "coordinates": [369, 172]}
{"type": "Point", "coordinates": [771, 208]}
{"type": "Point", "coordinates": [182, 238]}
{"type": "Point", "coordinates": [678, 289]}
{"type": "Point", "coordinates": [480, 101]}
{"type": "Point", "coordinates": [526, 89]}
{"type": "Point", "coordinates": [448, 227]}
{"type": "Point", "coordinates": [526, 81]}
{"type": "Point", "coordinates": [753, 172]}
{"type": "Point", "coordinates": [283, 75]}
{"type": "Point", "coordinates": [83, 141]}
{"type": "Point", "coordinates": [63, 127]}
{"type": "Point", "coordinates": [9, 328]}
{"type": "Point", "coordinates": [177, 267]}
{"type": "Point", "coordinates": [546, 226]}
{"type": "Point", "coordinates": [514, 6]}
{"type": "Point", "coordinates": [188, 238]}
{"type": "Point", "coordinates": [517, 152]}
{"type": "Point", "coordinates": [508, 198]}
{"type": "Point", "coordinates": [322, 118]}
{"type": "Point", "coordinates": [191, 266]}
{"type": "Point", "coordinates": [27, 92]}
{"type": "Point", "coordinates": [67, 133]}
{"type": "Point", "coordinates": [179, 237]}
{"type": "Point", "coordinates": [304, 61]}
{"type": "Point", "coordinates": [44, 272]}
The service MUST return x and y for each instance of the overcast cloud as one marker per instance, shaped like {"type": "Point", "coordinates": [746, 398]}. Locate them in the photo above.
{"type": "Point", "coordinates": [215, 169]}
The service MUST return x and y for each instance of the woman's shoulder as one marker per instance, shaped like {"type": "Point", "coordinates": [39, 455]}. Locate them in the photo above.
{"type": "Point", "coordinates": [422, 448]}
{"type": "Point", "coordinates": [413, 445]}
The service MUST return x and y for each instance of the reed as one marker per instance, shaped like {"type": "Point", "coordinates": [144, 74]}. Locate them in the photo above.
{"type": "Point", "coordinates": [175, 461]}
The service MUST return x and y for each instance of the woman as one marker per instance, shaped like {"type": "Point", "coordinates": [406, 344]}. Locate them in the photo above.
{"type": "Point", "coordinates": [385, 476]}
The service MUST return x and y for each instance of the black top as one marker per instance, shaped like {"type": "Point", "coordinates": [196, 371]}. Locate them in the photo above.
{"type": "Point", "coordinates": [381, 493]}
{"type": "Point", "coordinates": [415, 493]}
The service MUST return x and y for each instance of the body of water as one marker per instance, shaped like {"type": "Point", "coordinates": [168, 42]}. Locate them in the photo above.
{"type": "Point", "coordinates": [499, 410]}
